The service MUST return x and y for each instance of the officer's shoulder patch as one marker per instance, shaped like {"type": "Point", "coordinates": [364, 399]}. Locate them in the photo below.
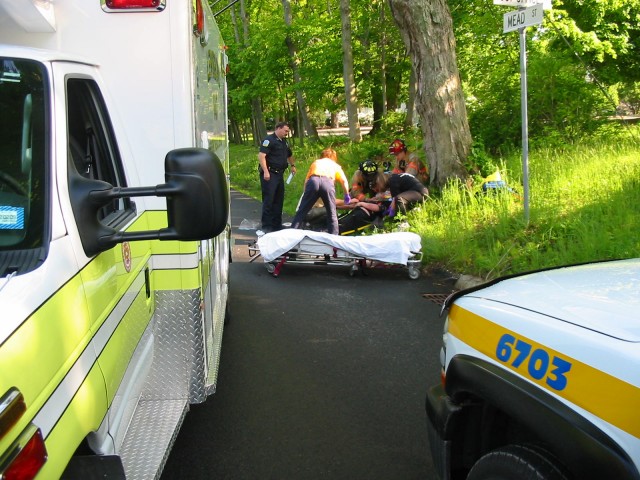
{"type": "Point", "coordinates": [265, 143]}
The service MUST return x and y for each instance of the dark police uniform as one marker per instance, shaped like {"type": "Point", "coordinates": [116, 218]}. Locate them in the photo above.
{"type": "Point", "coordinates": [277, 151]}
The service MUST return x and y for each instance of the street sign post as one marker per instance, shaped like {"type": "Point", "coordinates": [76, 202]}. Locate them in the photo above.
{"type": "Point", "coordinates": [520, 20]}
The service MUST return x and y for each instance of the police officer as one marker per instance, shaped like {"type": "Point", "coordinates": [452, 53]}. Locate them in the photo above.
{"type": "Point", "coordinates": [274, 157]}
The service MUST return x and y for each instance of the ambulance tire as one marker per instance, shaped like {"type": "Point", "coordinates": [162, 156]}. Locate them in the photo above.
{"type": "Point", "coordinates": [523, 462]}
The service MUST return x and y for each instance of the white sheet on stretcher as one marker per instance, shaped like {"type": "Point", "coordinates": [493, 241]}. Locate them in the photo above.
{"type": "Point", "coordinates": [395, 247]}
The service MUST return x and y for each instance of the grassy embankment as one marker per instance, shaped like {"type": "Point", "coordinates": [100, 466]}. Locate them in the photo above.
{"type": "Point", "coordinates": [584, 205]}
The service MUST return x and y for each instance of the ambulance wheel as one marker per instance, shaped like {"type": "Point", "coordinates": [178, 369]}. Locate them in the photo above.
{"type": "Point", "coordinates": [414, 273]}
{"type": "Point", "coordinates": [270, 267]}
{"type": "Point", "coordinates": [523, 462]}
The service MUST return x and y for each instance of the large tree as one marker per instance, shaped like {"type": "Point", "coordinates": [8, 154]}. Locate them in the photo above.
{"type": "Point", "coordinates": [427, 30]}
{"type": "Point", "coordinates": [349, 78]}
{"type": "Point", "coordinates": [308, 128]}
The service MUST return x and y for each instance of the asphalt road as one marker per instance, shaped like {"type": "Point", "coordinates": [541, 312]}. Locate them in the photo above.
{"type": "Point", "coordinates": [322, 375]}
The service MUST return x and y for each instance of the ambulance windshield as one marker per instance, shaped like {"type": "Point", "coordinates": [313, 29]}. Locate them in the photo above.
{"type": "Point", "coordinates": [22, 162]}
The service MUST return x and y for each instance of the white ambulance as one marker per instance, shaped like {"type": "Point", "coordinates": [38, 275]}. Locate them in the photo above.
{"type": "Point", "coordinates": [541, 377]}
{"type": "Point", "coordinates": [114, 231]}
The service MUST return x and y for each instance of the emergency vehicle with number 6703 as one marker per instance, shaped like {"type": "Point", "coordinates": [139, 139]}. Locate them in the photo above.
{"type": "Point", "coordinates": [541, 377]}
{"type": "Point", "coordinates": [114, 231]}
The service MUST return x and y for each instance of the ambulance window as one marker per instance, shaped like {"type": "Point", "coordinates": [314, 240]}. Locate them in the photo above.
{"type": "Point", "coordinates": [24, 222]}
{"type": "Point", "coordinates": [92, 147]}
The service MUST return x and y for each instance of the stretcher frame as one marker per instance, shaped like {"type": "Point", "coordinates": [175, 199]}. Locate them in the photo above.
{"type": "Point", "coordinates": [311, 251]}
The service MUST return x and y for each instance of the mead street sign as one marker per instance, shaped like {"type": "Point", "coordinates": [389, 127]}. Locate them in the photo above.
{"type": "Point", "coordinates": [522, 18]}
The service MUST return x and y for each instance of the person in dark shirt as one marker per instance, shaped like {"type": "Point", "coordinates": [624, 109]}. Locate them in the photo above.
{"type": "Point", "coordinates": [274, 158]}
{"type": "Point", "coordinates": [407, 191]}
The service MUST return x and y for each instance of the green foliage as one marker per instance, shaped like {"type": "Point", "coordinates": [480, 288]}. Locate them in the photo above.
{"type": "Point", "coordinates": [260, 64]}
{"type": "Point", "coordinates": [630, 98]}
{"type": "Point", "coordinates": [583, 54]}
{"type": "Point", "coordinates": [583, 207]}
{"type": "Point", "coordinates": [605, 33]}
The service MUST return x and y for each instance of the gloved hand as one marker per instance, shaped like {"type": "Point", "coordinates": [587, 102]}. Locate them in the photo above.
{"type": "Point", "coordinates": [347, 198]}
{"type": "Point", "coordinates": [390, 212]}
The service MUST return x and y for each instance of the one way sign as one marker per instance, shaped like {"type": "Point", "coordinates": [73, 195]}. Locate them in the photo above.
{"type": "Point", "coordinates": [522, 18]}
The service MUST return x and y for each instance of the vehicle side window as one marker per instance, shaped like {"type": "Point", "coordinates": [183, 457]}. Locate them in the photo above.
{"type": "Point", "coordinates": [92, 147]}
{"type": "Point", "coordinates": [24, 220]}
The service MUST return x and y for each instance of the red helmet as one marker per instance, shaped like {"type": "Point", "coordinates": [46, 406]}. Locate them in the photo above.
{"type": "Point", "coordinates": [397, 146]}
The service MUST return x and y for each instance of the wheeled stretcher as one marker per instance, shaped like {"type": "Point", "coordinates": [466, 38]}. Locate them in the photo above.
{"type": "Point", "coordinates": [401, 249]}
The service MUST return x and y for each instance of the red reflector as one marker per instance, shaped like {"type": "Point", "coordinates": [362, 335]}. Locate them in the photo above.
{"type": "Point", "coordinates": [29, 460]}
{"type": "Point", "coordinates": [123, 4]}
{"type": "Point", "coordinates": [199, 18]}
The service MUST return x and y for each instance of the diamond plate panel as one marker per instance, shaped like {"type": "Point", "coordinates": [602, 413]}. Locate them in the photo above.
{"type": "Point", "coordinates": [188, 341]}
{"type": "Point", "coordinates": [175, 329]}
{"type": "Point", "coordinates": [152, 433]}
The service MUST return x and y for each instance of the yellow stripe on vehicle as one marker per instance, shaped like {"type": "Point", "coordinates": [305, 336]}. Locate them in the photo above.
{"type": "Point", "coordinates": [613, 400]}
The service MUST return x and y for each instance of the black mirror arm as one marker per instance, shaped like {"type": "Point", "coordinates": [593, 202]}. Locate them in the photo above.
{"type": "Point", "coordinates": [101, 197]}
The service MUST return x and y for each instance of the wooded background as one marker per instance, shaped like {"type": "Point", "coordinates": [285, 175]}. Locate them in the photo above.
{"type": "Point", "coordinates": [306, 61]}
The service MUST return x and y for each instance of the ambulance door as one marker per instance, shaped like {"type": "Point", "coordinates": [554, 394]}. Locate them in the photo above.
{"type": "Point", "coordinates": [45, 357]}
{"type": "Point", "coordinates": [117, 281]}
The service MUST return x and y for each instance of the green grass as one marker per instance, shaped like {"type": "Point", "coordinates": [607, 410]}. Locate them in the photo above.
{"type": "Point", "coordinates": [584, 205]}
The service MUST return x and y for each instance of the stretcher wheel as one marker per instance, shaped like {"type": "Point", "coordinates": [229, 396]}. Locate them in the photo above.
{"type": "Point", "coordinates": [270, 267]}
{"type": "Point", "coordinates": [414, 273]}
{"type": "Point", "coordinates": [353, 270]}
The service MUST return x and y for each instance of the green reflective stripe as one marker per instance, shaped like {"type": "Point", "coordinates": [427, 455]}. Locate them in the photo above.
{"type": "Point", "coordinates": [183, 279]}
{"type": "Point", "coordinates": [56, 334]}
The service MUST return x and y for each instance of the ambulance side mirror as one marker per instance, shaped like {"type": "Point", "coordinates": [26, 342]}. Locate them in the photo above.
{"type": "Point", "coordinates": [197, 202]}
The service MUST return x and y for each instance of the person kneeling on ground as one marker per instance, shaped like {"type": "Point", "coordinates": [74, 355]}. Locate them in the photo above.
{"type": "Point", "coordinates": [320, 183]}
{"type": "Point", "coordinates": [407, 192]}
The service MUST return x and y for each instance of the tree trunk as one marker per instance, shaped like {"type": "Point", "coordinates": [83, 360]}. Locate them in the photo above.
{"type": "Point", "coordinates": [303, 110]}
{"type": "Point", "coordinates": [234, 132]}
{"type": "Point", "coordinates": [245, 22]}
{"type": "Point", "coordinates": [427, 30]}
{"type": "Point", "coordinates": [411, 100]}
{"type": "Point", "coordinates": [383, 59]}
{"type": "Point", "coordinates": [351, 97]}
{"type": "Point", "coordinates": [377, 98]}
{"type": "Point", "coordinates": [234, 24]}
{"type": "Point", "coordinates": [333, 123]}
{"type": "Point", "coordinates": [259, 128]}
